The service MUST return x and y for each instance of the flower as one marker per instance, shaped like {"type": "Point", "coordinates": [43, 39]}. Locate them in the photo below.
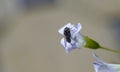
{"type": "Point", "coordinates": [101, 66]}
{"type": "Point", "coordinates": [72, 38]}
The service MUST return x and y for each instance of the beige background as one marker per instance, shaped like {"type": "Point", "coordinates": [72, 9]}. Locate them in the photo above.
{"type": "Point", "coordinates": [31, 42]}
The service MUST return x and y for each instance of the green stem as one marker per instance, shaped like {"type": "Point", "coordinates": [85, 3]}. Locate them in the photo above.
{"type": "Point", "coordinates": [115, 51]}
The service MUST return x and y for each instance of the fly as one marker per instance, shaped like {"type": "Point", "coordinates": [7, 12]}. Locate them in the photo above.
{"type": "Point", "coordinates": [67, 34]}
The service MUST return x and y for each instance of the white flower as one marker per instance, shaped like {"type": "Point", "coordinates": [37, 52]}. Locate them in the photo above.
{"type": "Point", "coordinates": [101, 66]}
{"type": "Point", "coordinates": [72, 39]}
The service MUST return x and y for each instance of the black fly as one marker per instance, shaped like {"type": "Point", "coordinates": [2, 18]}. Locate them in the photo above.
{"type": "Point", "coordinates": [67, 34]}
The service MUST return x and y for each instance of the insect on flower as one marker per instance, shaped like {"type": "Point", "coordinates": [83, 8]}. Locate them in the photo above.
{"type": "Point", "coordinates": [72, 38]}
{"type": "Point", "coordinates": [67, 34]}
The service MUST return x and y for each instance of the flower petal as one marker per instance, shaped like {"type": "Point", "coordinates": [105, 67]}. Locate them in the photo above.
{"type": "Point", "coordinates": [96, 66]}
{"type": "Point", "coordinates": [105, 68]}
{"type": "Point", "coordinates": [101, 66]}
{"type": "Point", "coordinates": [98, 60]}
{"type": "Point", "coordinates": [116, 67]}
{"type": "Point", "coordinates": [68, 46]}
{"type": "Point", "coordinates": [79, 40]}
{"type": "Point", "coordinates": [61, 30]}
{"type": "Point", "coordinates": [78, 27]}
{"type": "Point", "coordinates": [75, 29]}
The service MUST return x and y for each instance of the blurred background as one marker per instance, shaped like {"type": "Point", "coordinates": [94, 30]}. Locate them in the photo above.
{"type": "Point", "coordinates": [30, 41]}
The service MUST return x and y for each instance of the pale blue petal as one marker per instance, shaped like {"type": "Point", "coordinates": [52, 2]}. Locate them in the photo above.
{"type": "Point", "coordinates": [101, 66]}
{"type": "Point", "coordinates": [79, 40]}
{"type": "Point", "coordinates": [78, 27]}
{"type": "Point", "coordinates": [98, 60]}
{"type": "Point", "coordinates": [61, 30]}
{"type": "Point", "coordinates": [75, 29]}
{"type": "Point", "coordinates": [96, 66]}
{"type": "Point", "coordinates": [68, 46]}
{"type": "Point", "coordinates": [105, 68]}
{"type": "Point", "coordinates": [116, 67]}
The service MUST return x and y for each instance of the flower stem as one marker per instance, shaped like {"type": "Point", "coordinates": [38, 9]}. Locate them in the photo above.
{"type": "Point", "coordinates": [115, 51]}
